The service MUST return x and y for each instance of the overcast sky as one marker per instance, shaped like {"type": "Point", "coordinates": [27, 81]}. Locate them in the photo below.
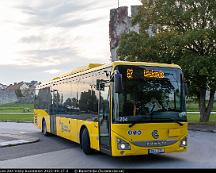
{"type": "Point", "coordinates": [42, 38]}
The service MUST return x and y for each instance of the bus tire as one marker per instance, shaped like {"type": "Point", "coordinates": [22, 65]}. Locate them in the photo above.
{"type": "Point", "coordinates": [85, 142]}
{"type": "Point", "coordinates": [44, 128]}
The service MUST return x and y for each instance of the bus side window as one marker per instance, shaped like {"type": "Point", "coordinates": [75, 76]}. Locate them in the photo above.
{"type": "Point", "coordinates": [43, 99]}
{"type": "Point", "coordinates": [104, 103]}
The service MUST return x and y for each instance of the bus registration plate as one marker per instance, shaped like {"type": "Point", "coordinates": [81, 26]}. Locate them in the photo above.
{"type": "Point", "coordinates": [156, 151]}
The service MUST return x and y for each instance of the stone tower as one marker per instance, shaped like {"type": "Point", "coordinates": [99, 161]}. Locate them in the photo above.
{"type": "Point", "coordinates": [120, 22]}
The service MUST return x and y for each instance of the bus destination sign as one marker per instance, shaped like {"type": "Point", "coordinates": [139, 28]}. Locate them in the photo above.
{"type": "Point", "coordinates": [153, 74]}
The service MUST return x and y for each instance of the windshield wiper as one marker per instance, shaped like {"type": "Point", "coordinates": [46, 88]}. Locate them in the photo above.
{"type": "Point", "coordinates": [173, 120]}
{"type": "Point", "coordinates": [132, 124]}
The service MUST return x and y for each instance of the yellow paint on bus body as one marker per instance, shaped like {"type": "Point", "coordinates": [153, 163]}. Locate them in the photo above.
{"type": "Point", "coordinates": [69, 128]}
{"type": "Point", "coordinates": [39, 115]}
{"type": "Point", "coordinates": [121, 131]}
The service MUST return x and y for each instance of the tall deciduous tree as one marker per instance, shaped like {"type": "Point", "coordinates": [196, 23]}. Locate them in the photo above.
{"type": "Point", "coordinates": [183, 32]}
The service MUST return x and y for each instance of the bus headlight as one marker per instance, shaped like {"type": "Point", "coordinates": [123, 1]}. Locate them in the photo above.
{"type": "Point", "coordinates": [183, 142]}
{"type": "Point", "coordinates": [122, 145]}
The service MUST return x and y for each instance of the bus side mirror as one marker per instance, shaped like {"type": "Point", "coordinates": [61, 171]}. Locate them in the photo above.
{"type": "Point", "coordinates": [100, 85]}
{"type": "Point", "coordinates": [118, 86]}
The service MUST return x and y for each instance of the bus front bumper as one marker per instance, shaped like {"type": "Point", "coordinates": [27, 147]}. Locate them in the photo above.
{"type": "Point", "coordinates": [129, 149]}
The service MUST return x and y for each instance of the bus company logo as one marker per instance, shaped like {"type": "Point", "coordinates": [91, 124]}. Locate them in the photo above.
{"type": "Point", "coordinates": [155, 134]}
{"type": "Point", "coordinates": [64, 128]}
{"type": "Point", "coordinates": [134, 132]}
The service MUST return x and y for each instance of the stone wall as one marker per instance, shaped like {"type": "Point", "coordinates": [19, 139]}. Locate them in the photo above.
{"type": "Point", "coordinates": [18, 92]}
{"type": "Point", "coordinates": [7, 97]}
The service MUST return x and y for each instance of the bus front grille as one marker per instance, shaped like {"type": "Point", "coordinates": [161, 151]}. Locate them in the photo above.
{"type": "Point", "coordinates": [155, 143]}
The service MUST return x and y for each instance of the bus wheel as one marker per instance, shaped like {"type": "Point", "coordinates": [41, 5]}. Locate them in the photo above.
{"type": "Point", "coordinates": [44, 128]}
{"type": "Point", "coordinates": [85, 142]}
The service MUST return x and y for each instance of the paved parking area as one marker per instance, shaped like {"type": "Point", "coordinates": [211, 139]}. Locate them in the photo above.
{"type": "Point", "coordinates": [10, 136]}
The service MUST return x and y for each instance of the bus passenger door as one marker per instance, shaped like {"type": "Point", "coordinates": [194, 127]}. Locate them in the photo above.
{"type": "Point", "coordinates": [104, 117]}
{"type": "Point", "coordinates": [53, 124]}
{"type": "Point", "coordinates": [53, 112]}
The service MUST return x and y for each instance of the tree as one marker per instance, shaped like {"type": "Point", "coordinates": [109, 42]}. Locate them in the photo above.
{"type": "Point", "coordinates": [184, 32]}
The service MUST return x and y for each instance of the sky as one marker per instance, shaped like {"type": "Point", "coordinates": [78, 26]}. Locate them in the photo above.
{"type": "Point", "coordinates": [42, 39]}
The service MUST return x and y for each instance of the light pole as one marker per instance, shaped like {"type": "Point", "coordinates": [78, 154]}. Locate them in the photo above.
{"type": "Point", "coordinates": [118, 3]}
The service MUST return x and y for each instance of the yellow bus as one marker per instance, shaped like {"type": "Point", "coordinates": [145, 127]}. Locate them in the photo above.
{"type": "Point", "coordinates": [121, 109]}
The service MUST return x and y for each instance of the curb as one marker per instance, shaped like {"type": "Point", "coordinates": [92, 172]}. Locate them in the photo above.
{"type": "Point", "coordinates": [203, 130]}
{"type": "Point", "coordinates": [16, 121]}
{"type": "Point", "coordinates": [18, 139]}
{"type": "Point", "coordinates": [17, 142]}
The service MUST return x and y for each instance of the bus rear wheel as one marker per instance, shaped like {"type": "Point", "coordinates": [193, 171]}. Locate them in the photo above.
{"type": "Point", "coordinates": [85, 142]}
{"type": "Point", "coordinates": [44, 128]}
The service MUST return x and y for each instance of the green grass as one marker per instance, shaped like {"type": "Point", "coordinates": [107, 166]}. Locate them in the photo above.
{"type": "Point", "coordinates": [194, 119]}
{"type": "Point", "coordinates": [193, 107]}
{"type": "Point", "coordinates": [16, 108]}
{"type": "Point", "coordinates": [15, 117]}
{"type": "Point", "coordinates": [25, 112]}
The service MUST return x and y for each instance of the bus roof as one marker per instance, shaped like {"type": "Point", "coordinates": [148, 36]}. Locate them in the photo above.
{"type": "Point", "coordinates": [93, 67]}
{"type": "Point", "coordinates": [77, 70]}
{"type": "Point", "coordinates": [115, 63]}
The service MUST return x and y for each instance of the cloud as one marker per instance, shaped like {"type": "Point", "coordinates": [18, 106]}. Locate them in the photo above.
{"type": "Point", "coordinates": [48, 57]}
{"type": "Point", "coordinates": [59, 13]}
{"type": "Point", "coordinates": [53, 71]}
{"type": "Point", "coordinates": [31, 39]}
{"type": "Point", "coordinates": [41, 36]}
{"type": "Point", "coordinates": [54, 32]}
{"type": "Point", "coordinates": [52, 51]}
{"type": "Point", "coordinates": [17, 73]}
{"type": "Point", "coordinates": [76, 22]}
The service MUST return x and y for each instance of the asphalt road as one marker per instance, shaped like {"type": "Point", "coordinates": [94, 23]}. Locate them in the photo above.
{"type": "Point", "coordinates": [54, 152]}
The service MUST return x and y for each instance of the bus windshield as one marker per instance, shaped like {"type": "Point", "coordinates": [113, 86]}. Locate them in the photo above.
{"type": "Point", "coordinates": [149, 94]}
